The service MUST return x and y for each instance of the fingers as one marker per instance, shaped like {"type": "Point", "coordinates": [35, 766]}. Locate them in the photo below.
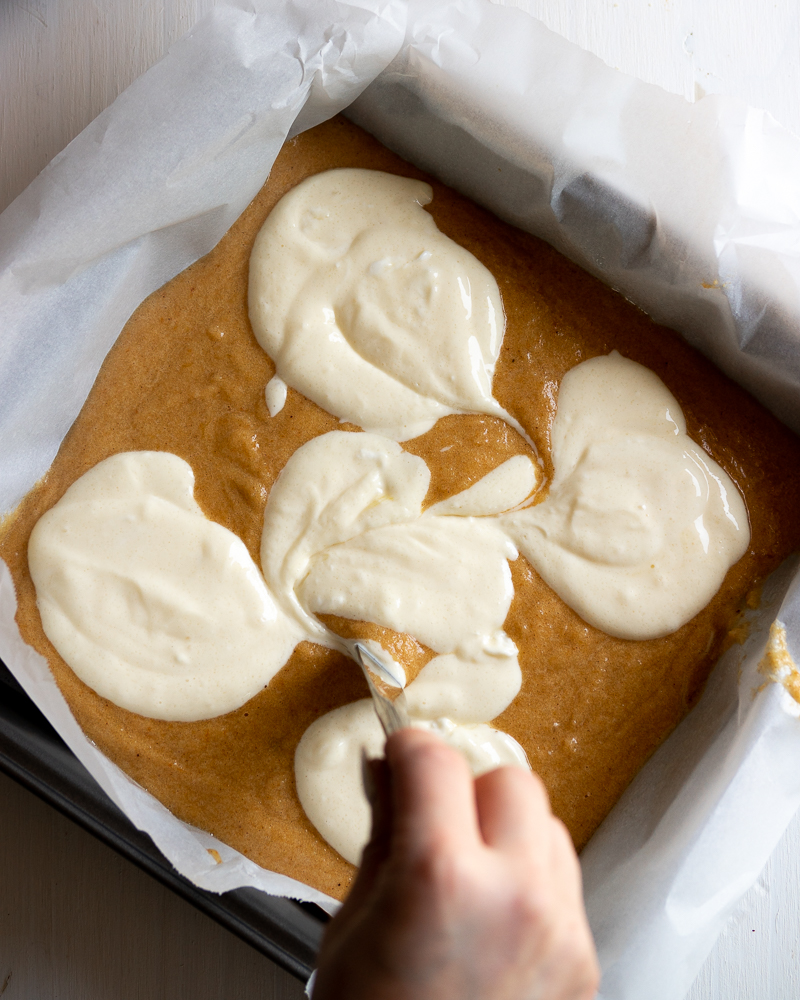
{"type": "Point", "coordinates": [513, 809]}
{"type": "Point", "coordinates": [433, 793]}
{"type": "Point", "coordinates": [476, 891]}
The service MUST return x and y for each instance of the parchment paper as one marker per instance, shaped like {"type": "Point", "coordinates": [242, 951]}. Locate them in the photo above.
{"type": "Point", "coordinates": [692, 211]}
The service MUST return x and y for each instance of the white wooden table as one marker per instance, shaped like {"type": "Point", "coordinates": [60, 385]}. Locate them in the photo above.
{"type": "Point", "coordinates": [76, 921]}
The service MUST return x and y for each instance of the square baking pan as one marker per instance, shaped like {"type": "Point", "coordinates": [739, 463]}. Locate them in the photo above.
{"type": "Point", "coordinates": [31, 752]}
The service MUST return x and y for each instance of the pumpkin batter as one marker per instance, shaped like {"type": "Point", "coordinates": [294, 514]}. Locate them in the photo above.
{"type": "Point", "coordinates": [187, 376]}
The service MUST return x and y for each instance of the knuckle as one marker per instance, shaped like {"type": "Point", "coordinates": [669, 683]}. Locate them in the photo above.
{"type": "Point", "coordinates": [540, 907]}
{"type": "Point", "coordinates": [533, 912]}
{"type": "Point", "coordinates": [437, 868]}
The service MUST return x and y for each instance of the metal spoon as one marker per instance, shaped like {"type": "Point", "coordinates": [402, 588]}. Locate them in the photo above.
{"type": "Point", "coordinates": [392, 712]}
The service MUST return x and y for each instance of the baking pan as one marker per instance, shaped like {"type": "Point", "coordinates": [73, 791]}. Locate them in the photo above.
{"type": "Point", "coordinates": [35, 755]}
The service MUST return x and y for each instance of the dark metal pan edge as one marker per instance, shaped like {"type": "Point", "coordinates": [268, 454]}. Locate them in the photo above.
{"type": "Point", "coordinates": [33, 754]}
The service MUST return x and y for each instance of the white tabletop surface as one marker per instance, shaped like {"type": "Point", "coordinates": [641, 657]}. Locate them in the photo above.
{"type": "Point", "coordinates": [77, 922]}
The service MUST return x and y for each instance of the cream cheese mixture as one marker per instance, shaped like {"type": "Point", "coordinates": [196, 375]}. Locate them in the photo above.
{"type": "Point", "coordinates": [154, 606]}
{"type": "Point", "coordinates": [640, 525]}
{"type": "Point", "coordinates": [367, 309]}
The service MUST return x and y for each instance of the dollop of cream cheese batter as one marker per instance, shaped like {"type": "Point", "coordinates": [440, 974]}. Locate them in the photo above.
{"type": "Point", "coordinates": [438, 579]}
{"type": "Point", "coordinates": [333, 489]}
{"type": "Point", "coordinates": [640, 525]}
{"type": "Point", "coordinates": [154, 606]}
{"type": "Point", "coordinates": [370, 311]}
{"type": "Point", "coordinates": [475, 683]}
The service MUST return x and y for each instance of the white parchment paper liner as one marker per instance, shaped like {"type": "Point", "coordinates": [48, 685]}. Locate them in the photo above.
{"type": "Point", "coordinates": [692, 211]}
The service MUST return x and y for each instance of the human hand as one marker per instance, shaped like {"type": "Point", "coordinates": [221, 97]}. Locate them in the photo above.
{"type": "Point", "coordinates": [468, 890]}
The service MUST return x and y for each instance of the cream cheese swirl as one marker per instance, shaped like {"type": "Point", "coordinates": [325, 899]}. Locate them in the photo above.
{"type": "Point", "coordinates": [154, 606]}
{"type": "Point", "coordinates": [370, 311]}
{"type": "Point", "coordinates": [640, 525]}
